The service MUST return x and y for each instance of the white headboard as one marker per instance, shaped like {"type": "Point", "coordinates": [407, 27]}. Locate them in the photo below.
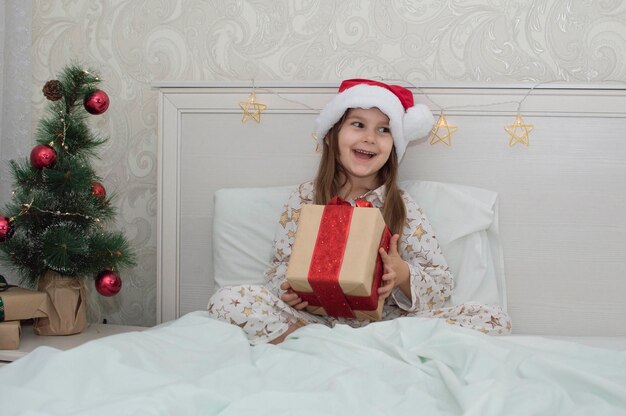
{"type": "Point", "coordinates": [562, 198]}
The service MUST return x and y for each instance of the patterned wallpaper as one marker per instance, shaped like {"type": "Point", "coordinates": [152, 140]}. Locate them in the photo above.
{"type": "Point", "coordinates": [136, 42]}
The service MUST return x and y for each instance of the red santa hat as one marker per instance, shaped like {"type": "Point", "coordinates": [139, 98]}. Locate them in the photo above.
{"type": "Point", "coordinates": [407, 121]}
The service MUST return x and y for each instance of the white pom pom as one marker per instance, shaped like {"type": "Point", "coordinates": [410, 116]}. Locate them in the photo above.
{"type": "Point", "coordinates": [418, 122]}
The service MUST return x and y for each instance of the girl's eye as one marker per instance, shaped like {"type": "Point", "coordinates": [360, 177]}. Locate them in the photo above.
{"type": "Point", "coordinates": [357, 124]}
{"type": "Point", "coordinates": [384, 130]}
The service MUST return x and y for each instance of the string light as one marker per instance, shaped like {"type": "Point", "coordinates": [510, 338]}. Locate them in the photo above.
{"type": "Point", "coordinates": [442, 131]}
{"type": "Point", "coordinates": [27, 206]}
{"type": "Point", "coordinates": [252, 108]}
{"type": "Point", "coordinates": [64, 131]}
{"type": "Point", "coordinates": [317, 143]}
{"type": "Point", "coordinates": [518, 131]}
{"type": "Point", "coordinates": [61, 134]}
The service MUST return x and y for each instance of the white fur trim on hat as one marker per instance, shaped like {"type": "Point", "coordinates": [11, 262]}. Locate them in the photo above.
{"type": "Point", "coordinates": [415, 123]}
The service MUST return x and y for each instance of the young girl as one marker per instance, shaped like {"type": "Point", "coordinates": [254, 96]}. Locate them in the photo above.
{"type": "Point", "coordinates": [364, 131]}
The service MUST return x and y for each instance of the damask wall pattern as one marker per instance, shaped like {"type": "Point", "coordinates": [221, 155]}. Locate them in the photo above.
{"type": "Point", "coordinates": [133, 43]}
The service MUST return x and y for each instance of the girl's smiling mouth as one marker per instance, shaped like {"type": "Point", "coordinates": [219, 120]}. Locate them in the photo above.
{"type": "Point", "coordinates": [363, 154]}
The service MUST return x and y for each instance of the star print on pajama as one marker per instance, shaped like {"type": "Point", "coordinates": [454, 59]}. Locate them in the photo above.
{"type": "Point", "coordinates": [263, 316]}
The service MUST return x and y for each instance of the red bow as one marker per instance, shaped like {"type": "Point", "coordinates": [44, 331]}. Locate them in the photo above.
{"type": "Point", "coordinates": [361, 203]}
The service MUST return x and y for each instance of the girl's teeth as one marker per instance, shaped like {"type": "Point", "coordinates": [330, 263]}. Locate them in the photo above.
{"type": "Point", "coordinates": [364, 154]}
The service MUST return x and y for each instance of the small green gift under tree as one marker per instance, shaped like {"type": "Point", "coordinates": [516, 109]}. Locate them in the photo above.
{"type": "Point", "coordinates": [56, 221]}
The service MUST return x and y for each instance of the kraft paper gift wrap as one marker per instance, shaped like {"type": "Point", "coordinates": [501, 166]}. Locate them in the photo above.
{"type": "Point", "coordinates": [10, 335]}
{"type": "Point", "coordinates": [335, 264]}
{"type": "Point", "coordinates": [20, 303]}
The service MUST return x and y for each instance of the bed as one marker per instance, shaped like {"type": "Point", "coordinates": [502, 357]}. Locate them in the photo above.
{"type": "Point", "coordinates": [537, 229]}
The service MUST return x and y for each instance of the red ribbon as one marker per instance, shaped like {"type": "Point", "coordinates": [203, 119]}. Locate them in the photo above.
{"type": "Point", "coordinates": [327, 258]}
{"type": "Point", "coordinates": [359, 202]}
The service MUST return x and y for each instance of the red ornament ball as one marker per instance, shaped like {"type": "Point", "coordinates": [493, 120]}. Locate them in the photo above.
{"type": "Point", "coordinates": [42, 156]}
{"type": "Point", "coordinates": [108, 283]}
{"type": "Point", "coordinates": [5, 228]}
{"type": "Point", "coordinates": [97, 190]}
{"type": "Point", "coordinates": [97, 102]}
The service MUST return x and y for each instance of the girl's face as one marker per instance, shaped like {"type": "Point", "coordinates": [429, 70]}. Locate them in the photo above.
{"type": "Point", "coordinates": [365, 143]}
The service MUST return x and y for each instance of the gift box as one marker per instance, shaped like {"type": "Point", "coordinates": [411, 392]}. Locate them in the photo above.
{"type": "Point", "coordinates": [335, 265]}
{"type": "Point", "coordinates": [10, 335]}
{"type": "Point", "coordinates": [18, 303]}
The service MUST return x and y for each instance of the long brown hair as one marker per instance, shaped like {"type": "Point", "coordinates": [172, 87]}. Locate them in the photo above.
{"type": "Point", "coordinates": [331, 177]}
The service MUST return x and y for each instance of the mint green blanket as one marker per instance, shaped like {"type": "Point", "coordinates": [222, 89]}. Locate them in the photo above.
{"type": "Point", "coordinates": [410, 366]}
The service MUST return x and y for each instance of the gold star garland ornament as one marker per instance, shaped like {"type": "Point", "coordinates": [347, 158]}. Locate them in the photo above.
{"type": "Point", "coordinates": [317, 143]}
{"type": "Point", "coordinates": [518, 131]}
{"type": "Point", "coordinates": [442, 131]}
{"type": "Point", "coordinates": [252, 109]}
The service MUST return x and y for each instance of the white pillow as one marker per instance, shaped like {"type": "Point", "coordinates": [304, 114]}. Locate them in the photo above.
{"type": "Point", "coordinates": [464, 218]}
{"type": "Point", "coordinates": [244, 225]}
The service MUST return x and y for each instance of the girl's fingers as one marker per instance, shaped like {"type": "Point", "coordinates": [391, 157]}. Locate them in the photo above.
{"type": "Point", "coordinates": [388, 283]}
{"type": "Point", "coordinates": [291, 298]}
{"type": "Point", "coordinates": [384, 256]}
{"type": "Point", "coordinates": [393, 250]}
{"type": "Point", "coordinates": [384, 292]}
{"type": "Point", "coordinates": [393, 244]}
{"type": "Point", "coordinates": [301, 305]}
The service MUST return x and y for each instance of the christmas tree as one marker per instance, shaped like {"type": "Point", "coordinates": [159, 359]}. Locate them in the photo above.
{"type": "Point", "coordinates": [59, 211]}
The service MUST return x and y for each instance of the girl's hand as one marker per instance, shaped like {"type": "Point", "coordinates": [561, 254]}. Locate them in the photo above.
{"type": "Point", "coordinates": [395, 270]}
{"type": "Point", "coordinates": [291, 298]}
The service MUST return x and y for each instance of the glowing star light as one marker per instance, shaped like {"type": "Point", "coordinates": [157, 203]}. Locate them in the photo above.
{"type": "Point", "coordinates": [442, 131]}
{"type": "Point", "coordinates": [317, 143]}
{"type": "Point", "coordinates": [252, 109]}
{"type": "Point", "coordinates": [518, 131]}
